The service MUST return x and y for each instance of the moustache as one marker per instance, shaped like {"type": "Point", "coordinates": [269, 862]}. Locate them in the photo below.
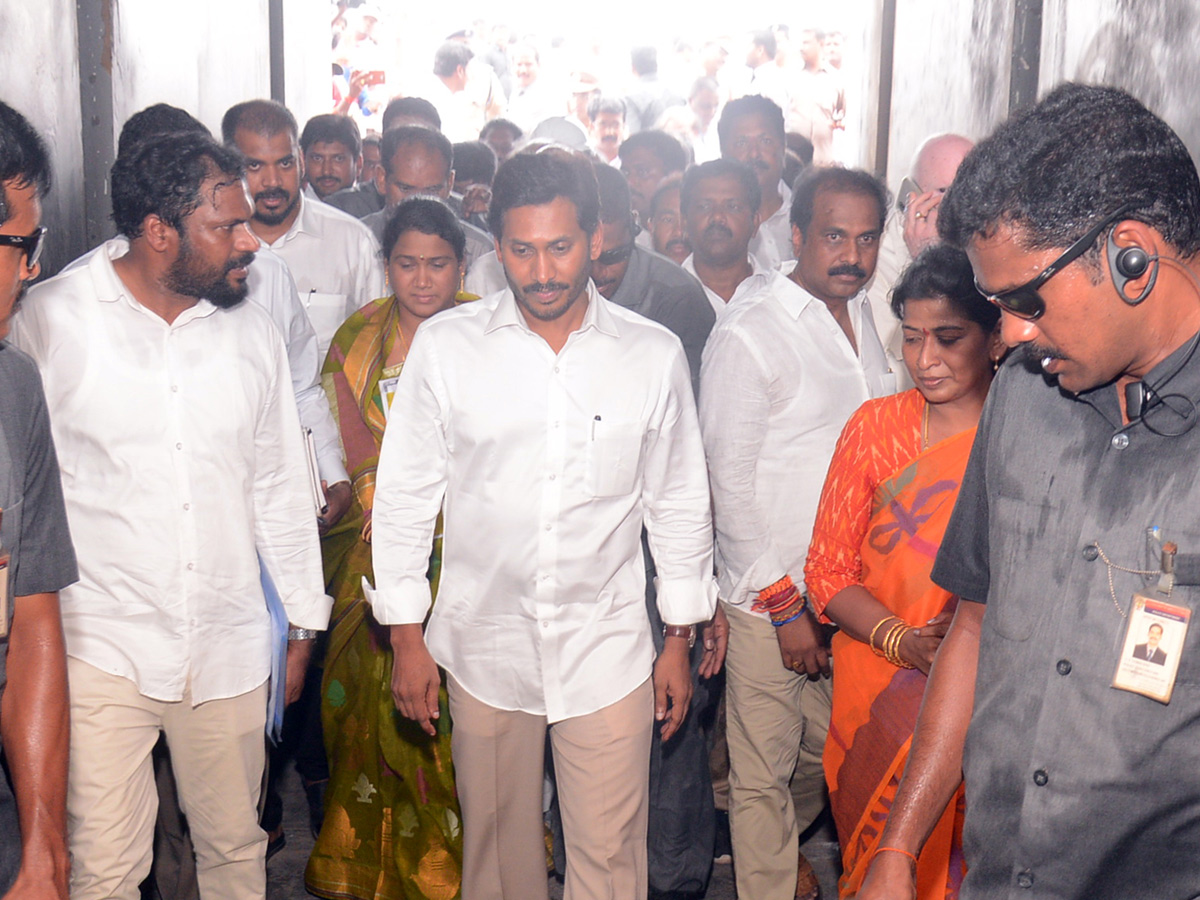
{"type": "Point", "coordinates": [271, 194]}
{"type": "Point", "coordinates": [848, 269]}
{"type": "Point", "coordinates": [545, 288]}
{"type": "Point", "coordinates": [716, 229]}
{"type": "Point", "coordinates": [679, 244]}
{"type": "Point", "coordinates": [239, 262]}
{"type": "Point", "coordinates": [1034, 356]}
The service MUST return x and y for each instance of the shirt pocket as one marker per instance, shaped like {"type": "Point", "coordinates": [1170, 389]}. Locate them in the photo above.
{"type": "Point", "coordinates": [614, 457]}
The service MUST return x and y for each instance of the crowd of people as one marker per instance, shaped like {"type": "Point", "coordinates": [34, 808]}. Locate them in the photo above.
{"type": "Point", "coordinates": [591, 511]}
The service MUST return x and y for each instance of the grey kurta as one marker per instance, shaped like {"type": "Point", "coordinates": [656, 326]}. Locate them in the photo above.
{"type": "Point", "coordinates": [1075, 789]}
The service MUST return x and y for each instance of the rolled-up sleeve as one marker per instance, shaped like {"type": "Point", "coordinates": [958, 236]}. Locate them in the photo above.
{"type": "Point", "coordinates": [409, 488]}
{"type": "Point", "coordinates": [678, 509]}
{"type": "Point", "coordinates": [734, 411]}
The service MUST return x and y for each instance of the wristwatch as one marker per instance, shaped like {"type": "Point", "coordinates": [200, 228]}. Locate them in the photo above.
{"type": "Point", "coordinates": [683, 631]}
{"type": "Point", "coordinates": [302, 634]}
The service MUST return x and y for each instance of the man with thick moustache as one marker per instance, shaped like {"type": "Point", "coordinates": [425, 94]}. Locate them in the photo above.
{"type": "Point", "coordinates": [1081, 218]}
{"type": "Point", "coordinates": [550, 425]}
{"type": "Point", "coordinates": [41, 562]}
{"type": "Point", "coordinates": [332, 154]}
{"type": "Point", "coordinates": [783, 370]}
{"type": "Point", "coordinates": [333, 258]}
{"type": "Point", "coordinates": [718, 200]}
{"type": "Point", "coordinates": [182, 467]}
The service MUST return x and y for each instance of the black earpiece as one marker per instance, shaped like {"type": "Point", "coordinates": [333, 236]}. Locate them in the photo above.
{"type": "Point", "coordinates": [1128, 263]}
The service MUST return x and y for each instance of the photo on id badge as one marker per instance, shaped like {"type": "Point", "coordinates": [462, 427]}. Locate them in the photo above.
{"type": "Point", "coordinates": [1153, 645]}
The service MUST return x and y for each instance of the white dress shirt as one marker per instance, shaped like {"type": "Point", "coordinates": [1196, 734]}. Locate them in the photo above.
{"type": "Point", "coordinates": [772, 243]}
{"type": "Point", "coordinates": [548, 466]}
{"type": "Point", "coordinates": [270, 286]}
{"type": "Point", "coordinates": [778, 381]}
{"type": "Point", "coordinates": [752, 285]}
{"type": "Point", "coordinates": [181, 462]}
{"type": "Point", "coordinates": [486, 276]}
{"type": "Point", "coordinates": [335, 262]}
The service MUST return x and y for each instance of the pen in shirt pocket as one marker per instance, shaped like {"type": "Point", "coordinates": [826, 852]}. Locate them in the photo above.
{"type": "Point", "coordinates": [594, 421]}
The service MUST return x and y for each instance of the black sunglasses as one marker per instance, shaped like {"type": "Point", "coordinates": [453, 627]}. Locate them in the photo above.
{"type": "Point", "coordinates": [30, 244]}
{"type": "Point", "coordinates": [615, 255]}
{"type": "Point", "coordinates": [1024, 301]}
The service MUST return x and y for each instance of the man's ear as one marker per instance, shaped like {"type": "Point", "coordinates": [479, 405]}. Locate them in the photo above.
{"type": "Point", "coordinates": [797, 241]}
{"type": "Point", "coordinates": [159, 235]}
{"type": "Point", "coordinates": [596, 242]}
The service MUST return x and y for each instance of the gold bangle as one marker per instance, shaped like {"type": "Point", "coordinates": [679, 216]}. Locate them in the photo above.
{"type": "Point", "coordinates": [889, 637]}
{"type": "Point", "coordinates": [893, 643]}
{"type": "Point", "coordinates": [874, 631]}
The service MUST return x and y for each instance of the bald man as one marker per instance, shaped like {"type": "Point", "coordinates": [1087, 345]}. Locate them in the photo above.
{"type": "Point", "coordinates": [911, 227]}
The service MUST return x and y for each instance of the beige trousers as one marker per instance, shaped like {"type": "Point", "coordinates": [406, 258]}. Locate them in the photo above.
{"type": "Point", "coordinates": [776, 726]}
{"type": "Point", "coordinates": [218, 754]}
{"type": "Point", "coordinates": [602, 769]}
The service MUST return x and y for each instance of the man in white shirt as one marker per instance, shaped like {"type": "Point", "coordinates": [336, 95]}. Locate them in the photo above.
{"type": "Point", "coordinates": [182, 466]}
{"type": "Point", "coordinates": [550, 425]}
{"type": "Point", "coordinates": [333, 257]}
{"type": "Point", "coordinates": [533, 99]}
{"type": "Point", "coordinates": [782, 373]}
{"type": "Point", "coordinates": [751, 131]}
{"type": "Point", "coordinates": [766, 78]}
{"type": "Point", "coordinates": [718, 200]}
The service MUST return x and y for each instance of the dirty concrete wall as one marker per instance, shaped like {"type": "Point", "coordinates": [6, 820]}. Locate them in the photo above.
{"type": "Point", "coordinates": [1147, 48]}
{"type": "Point", "coordinates": [951, 73]}
{"type": "Point", "coordinates": [39, 77]}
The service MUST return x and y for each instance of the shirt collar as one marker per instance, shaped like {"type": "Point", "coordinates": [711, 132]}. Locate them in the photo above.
{"type": "Point", "coordinates": [307, 222]}
{"type": "Point", "coordinates": [598, 315]}
{"type": "Point", "coordinates": [796, 298]}
{"type": "Point", "coordinates": [110, 288]}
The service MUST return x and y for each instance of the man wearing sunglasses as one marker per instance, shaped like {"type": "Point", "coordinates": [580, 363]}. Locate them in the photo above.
{"type": "Point", "coordinates": [1081, 218]}
{"type": "Point", "coordinates": [35, 538]}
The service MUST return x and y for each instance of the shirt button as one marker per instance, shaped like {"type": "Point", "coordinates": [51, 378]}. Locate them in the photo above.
{"type": "Point", "coordinates": [187, 506]}
{"type": "Point", "coordinates": [174, 388]}
{"type": "Point", "coordinates": [1025, 879]}
{"type": "Point", "coordinates": [191, 566]}
{"type": "Point", "coordinates": [1120, 441]}
{"type": "Point", "coordinates": [1040, 778]}
{"type": "Point", "coordinates": [179, 446]}
{"type": "Point", "coordinates": [1091, 552]}
{"type": "Point", "coordinates": [1063, 666]}
{"type": "Point", "coordinates": [552, 476]}
{"type": "Point", "coordinates": [545, 624]}
{"type": "Point", "coordinates": [556, 370]}
{"type": "Point", "coordinates": [549, 527]}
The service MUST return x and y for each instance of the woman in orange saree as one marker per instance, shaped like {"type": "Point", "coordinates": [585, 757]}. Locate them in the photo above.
{"type": "Point", "coordinates": [887, 499]}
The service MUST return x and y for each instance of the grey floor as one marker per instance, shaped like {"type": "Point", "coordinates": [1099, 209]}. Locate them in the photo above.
{"type": "Point", "coordinates": [285, 871]}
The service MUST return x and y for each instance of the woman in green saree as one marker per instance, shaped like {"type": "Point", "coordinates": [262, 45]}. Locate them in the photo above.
{"type": "Point", "coordinates": [391, 828]}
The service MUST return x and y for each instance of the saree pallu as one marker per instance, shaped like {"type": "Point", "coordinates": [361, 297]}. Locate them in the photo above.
{"type": "Point", "coordinates": [875, 704]}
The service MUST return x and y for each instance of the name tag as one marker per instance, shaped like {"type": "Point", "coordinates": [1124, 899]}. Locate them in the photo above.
{"type": "Point", "coordinates": [1152, 647]}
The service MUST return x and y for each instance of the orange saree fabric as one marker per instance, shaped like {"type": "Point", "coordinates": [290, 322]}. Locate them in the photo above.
{"type": "Point", "coordinates": [882, 516]}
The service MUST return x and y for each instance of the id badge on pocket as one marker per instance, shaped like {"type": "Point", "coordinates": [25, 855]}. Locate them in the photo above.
{"type": "Point", "coordinates": [1152, 647]}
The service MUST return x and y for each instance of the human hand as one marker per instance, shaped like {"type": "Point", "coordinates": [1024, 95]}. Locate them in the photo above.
{"type": "Point", "coordinates": [298, 655]}
{"type": "Point", "coordinates": [920, 220]}
{"type": "Point", "coordinates": [919, 645]}
{"type": "Point", "coordinates": [672, 685]}
{"type": "Point", "coordinates": [366, 529]}
{"type": "Point", "coordinates": [415, 678]}
{"type": "Point", "coordinates": [337, 501]}
{"type": "Point", "coordinates": [891, 876]}
{"type": "Point", "coordinates": [476, 199]}
{"type": "Point", "coordinates": [715, 636]}
{"type": "Point", "coordinates": [801, 648]}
